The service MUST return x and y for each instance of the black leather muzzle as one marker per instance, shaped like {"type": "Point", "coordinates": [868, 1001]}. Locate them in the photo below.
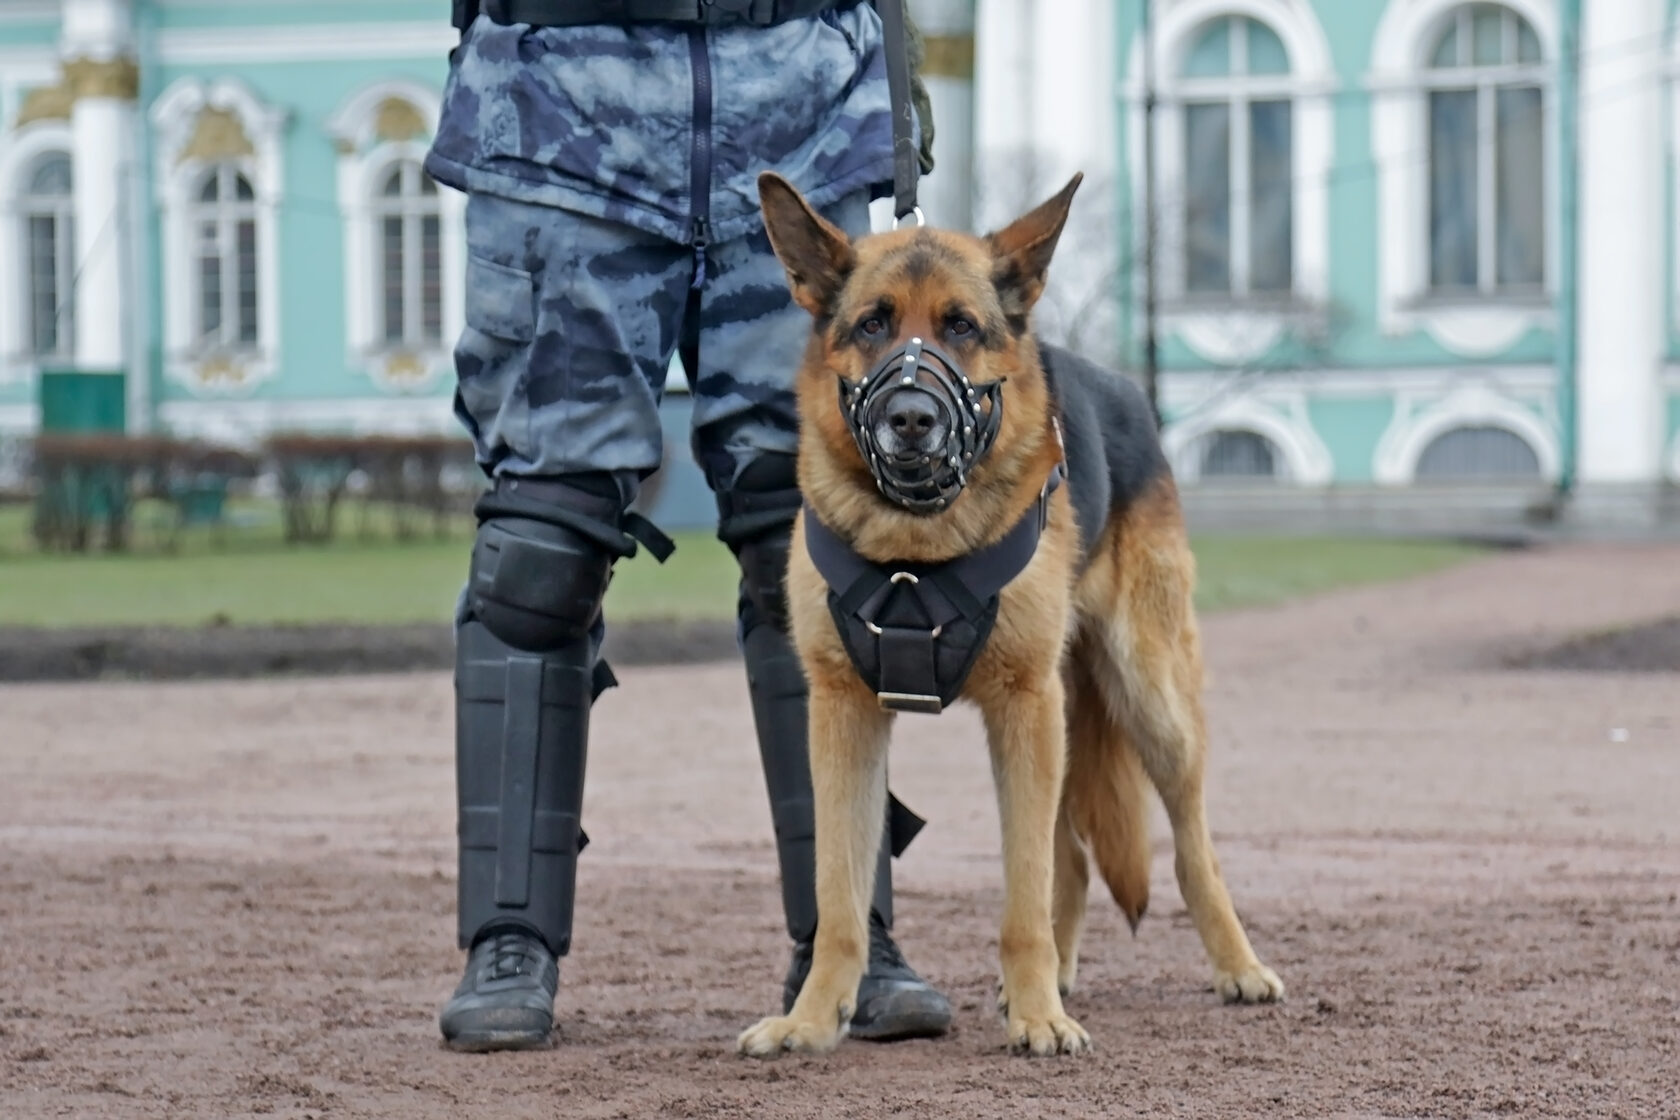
{"type": "Point", "coordinates": [923, 479]}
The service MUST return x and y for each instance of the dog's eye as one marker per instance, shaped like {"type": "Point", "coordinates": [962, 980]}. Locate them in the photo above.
{"type": "Point", "coordinates": [872, 326]}
{"type": "Point", "coordinates": [959, 327]}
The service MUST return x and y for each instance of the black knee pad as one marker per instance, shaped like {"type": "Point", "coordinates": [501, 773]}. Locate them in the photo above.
{"type": "Point", "coordinates": [755, 518]}
{"type": "Point", "coordinates": [536, 586]}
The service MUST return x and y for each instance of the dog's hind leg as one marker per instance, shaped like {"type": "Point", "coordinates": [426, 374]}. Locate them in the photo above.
{"type": "Point", "coordinates": [1106, 797]}
{"type": "Point", "coordinates": [1026, 734]}
{"type": "Point", "coordinates": [1154, 655]}
{"type": "Point", "coordinates": [848, 736]}
{"type": "Point", "coordinates": [1067, 907]}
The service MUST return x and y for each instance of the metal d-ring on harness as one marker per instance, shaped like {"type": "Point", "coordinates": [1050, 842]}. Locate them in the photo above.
{"type": "Point", "coordinates": [914, 631]}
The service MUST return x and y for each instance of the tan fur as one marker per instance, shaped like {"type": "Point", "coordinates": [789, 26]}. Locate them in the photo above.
{"type": "Point", "coordinates": [1090, 688]}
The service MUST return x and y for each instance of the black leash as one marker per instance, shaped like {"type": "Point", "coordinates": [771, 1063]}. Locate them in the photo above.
{"type": "Point", "coordinates": [906, 166]}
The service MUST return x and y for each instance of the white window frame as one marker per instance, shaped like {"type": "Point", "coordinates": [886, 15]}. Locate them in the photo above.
{"type": "Point", "coordinates": [1241, 329]}
{"type": "Point", "coordinates": [411, 207]}
{"type": "Point", "coordinates": [1476, 324]}
{"type": "Point", "coordinates": [20, 155]}
{"type": "Point", "coordinates": [205, 368]}
{"type": "Point", "coordinates": [364, 162]}
{"type": "Point", "coordinates": [1420, 417]}
{"type": "Point", "coordinates": [1281, 416]}
{"type": "Point", "coordinates": [225, 214]}
{"type": "Point", "coordinates": [1486, 82]}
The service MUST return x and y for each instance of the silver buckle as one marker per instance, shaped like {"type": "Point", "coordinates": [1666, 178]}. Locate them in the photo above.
{"type": "Point", "coordinates": [910, 702]}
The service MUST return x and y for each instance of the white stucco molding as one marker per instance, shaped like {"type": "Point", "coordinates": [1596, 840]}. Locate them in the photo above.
{"type": "Point", "coordinates": [1311, 82]}
{"type": "Point", "coordinates": [19, 156]}
{"type": "Point", "coordinates": [175, 117]}
{"type": "Point", "coordinates": [1281, 420]}
{"type": "Point", "coordinates": [1400, 148]}
{"type": "Point", "coordinates": [1671, 67]}
{"type": "Point", "coordinates": [364, 159]}
{"type": "Point", "coordinates": [244, 422]}
{"type": "Point", "coordinates": [1416, 425]}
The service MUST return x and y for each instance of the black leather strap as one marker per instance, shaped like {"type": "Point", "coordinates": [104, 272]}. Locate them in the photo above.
{"type": "Point", "coordinates": [892, 616]}
{"type": "Point", "coordinates": [906, 164]}
{"type": "Point", "coordinates": [712, 13]}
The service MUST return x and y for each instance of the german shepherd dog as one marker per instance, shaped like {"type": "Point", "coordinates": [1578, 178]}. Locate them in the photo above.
{"type": "Point", "coordinates": [934, 430]}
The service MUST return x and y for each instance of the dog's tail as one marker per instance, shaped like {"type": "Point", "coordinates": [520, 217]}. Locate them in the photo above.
{"type": "Point", "coordinates": [1107, 798]}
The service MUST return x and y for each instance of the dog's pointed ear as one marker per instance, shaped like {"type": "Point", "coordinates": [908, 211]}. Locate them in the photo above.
{"type": "Point", "coordinates": [1022, 250]}
{"type": "Point", "coordinates": [818, 257]}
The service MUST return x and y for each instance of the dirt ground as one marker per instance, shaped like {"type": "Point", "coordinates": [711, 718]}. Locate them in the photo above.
{"type": "Point", "coordinates": [230, 899]}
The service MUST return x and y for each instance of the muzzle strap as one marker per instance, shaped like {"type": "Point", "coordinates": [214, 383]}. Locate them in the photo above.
{"type": "Point", "coordinates": [971, 414]}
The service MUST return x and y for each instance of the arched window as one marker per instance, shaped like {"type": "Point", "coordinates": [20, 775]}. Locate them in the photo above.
{"type": "Point", "coordinates": [1238, 159]}
{"type": "Point", "coordinates": [410, 257]}
{"type": "Point", "coordinates": [224, 224]}
{"type": "Point", "coordinates": [49, 257]}
{"type": "Point", "coordinates": [1482, 453]}
{"type": "Point", "coordinates": [1234, 454]}
{"type": "Point", "coordinates": [1487, 225]}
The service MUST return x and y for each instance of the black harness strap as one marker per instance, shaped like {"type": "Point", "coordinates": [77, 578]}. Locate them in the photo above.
{"type": "Point", "coordinates": [914, 631]}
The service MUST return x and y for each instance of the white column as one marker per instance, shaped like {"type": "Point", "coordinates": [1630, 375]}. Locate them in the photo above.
{"type": "Point", "coordinates": [947, 27]}
{"type": "Point", "coordinates": [98, 63]}
{"type": "Point", "coordinates": [1002, 106]}
{"type": "Point", "coordinates": [1621, 244]}
{"type": "Point", "coordinates": [1075, 127]}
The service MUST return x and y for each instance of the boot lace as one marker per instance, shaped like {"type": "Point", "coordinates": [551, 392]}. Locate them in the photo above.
{"type": "Point", "coordinates": [884, 956]}
{"type": "Point", "coordinates": [510, 955]}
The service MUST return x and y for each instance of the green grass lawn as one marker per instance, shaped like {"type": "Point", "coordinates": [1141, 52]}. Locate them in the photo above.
{"type": "Point", "coordinates": [257, 579]}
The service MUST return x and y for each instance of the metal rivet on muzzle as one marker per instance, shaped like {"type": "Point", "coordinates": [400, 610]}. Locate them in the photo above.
{"type": "Point", "coordinates": [937, 477]}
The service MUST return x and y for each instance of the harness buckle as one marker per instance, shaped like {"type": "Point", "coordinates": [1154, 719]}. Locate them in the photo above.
{"type": "Point", "coordinates": [910, 702]}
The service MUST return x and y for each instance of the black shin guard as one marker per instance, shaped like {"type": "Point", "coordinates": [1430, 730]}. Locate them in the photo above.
{"type": "Point", "coordinates": [526, 674]}
{"type": "Point", "coordinates": [757, 524]}
{"type": "Point", "coordinates": [522, 733]}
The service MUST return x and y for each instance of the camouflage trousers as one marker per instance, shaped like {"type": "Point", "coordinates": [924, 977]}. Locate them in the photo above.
{"type": "Point", "coordinates": [571, 324]}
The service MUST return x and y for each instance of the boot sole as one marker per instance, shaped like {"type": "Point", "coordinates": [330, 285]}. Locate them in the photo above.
{"type": "Point", "coordinates": [907, 1015]}
{"type": "Point", "coordinates": [484, 1042]}
{"type": "Point", "coordinates": [898, 1028]}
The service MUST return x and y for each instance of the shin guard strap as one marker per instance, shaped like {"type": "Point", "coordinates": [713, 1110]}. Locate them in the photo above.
{"type": "Point", "coordinates": [521, 733]}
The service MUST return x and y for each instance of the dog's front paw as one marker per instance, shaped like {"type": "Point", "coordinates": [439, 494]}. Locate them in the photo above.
{"type": "Point", "coordinates": [1255, 984]}
{"type": "Point", "coordinates": [771, 1036]}
{"type": "Point", "coordinates": [1042, 1038]}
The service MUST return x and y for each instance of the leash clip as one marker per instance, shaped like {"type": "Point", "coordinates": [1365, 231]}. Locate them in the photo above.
{"type": "Point", "coordinates": [915, 212]}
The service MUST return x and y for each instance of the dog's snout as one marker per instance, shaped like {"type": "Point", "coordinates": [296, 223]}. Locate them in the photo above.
{"type": "Point", "coordinates": [914, 417]}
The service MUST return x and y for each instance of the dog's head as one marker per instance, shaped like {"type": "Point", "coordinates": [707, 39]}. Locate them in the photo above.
{"type": "Point", "coordinates": [919, 330]}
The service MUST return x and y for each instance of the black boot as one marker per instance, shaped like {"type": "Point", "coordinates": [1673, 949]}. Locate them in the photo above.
{"type": "Point", "coordinates": [506, 999]}
{"type": "Point", "coordinates": [893, 1001]}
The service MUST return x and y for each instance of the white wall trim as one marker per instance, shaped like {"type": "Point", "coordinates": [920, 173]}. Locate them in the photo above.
{"type": "Point", "coordinates": [175, 116]}
{"type": "Point", "coordinates": [1311, 81]}
{"type": "Point", "coordinates": [1416, 425]}
{"type": "Point", "coordinates": [19, 419]}
{"type": "Point", "coordinates": [362, 161]}
{"type": "Point", "coordinates": [1400, 147]}
{"type": "Point", "coordinates": [18, 156]}
{"type": "Point", "coordinates": [244, 422]}
{"type": "Point", "coordinates": [1184, 389]}
{"type": "Point", "coordinates": [1282, 419]}
{"type": "Point", "coordinates": [348, 41]}
{"type": "Point", "coordinates": [1671, 75]}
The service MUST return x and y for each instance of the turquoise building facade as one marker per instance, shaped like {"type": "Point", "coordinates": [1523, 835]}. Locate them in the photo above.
{"type": "Point", "coordinates": [1358, 216]}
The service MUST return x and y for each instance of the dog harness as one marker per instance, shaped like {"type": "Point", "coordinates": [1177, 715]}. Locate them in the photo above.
{"type": "Point", "coordinates": [914, 631]}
